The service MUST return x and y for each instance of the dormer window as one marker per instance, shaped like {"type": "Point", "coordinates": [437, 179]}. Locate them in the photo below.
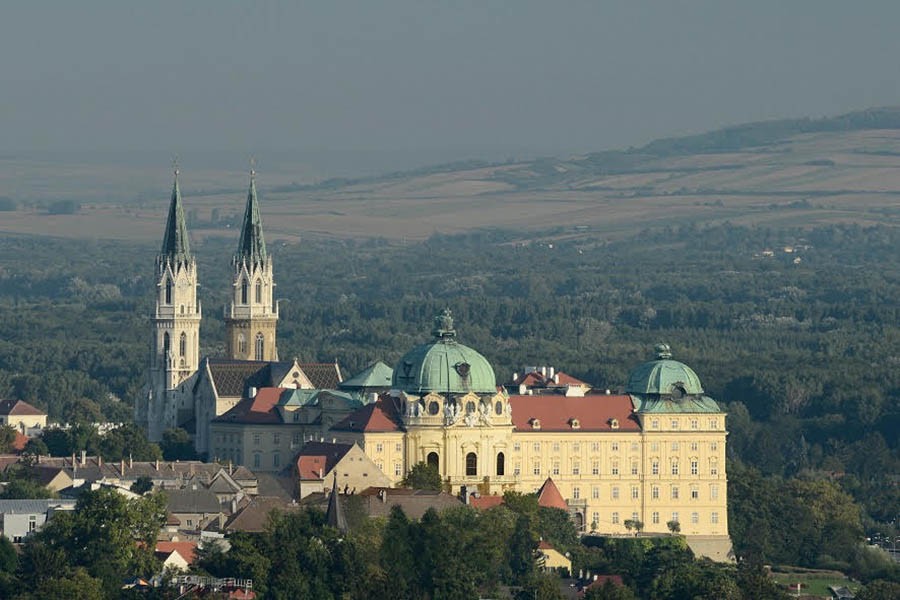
{"type": "Point", "coordinates": [535, 423]}
{"type": "Point", "coordinates": [613, 423]}
{"type": "Point", "coordinates": [575, 423]}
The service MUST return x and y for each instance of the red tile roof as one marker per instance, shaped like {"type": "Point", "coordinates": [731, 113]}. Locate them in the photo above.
{"type": "Point", "coordinates": [187, 550]}
{"type": "Point", "coordinates": [378, 416]}
{"type": "Point", "coordinates": [259, 409]}
{"type": "Point", "coordinates": [594, 413]}
{"type": "Point", "coordinates": [316, 459]}
{"type": "Point", "coordinates": [18, 407]}
{"type": "Point", "coordinates": [545, 546]}
{"type": "Point", "coordinates": [485, 502]}
{"type": "Point", "coordinates": [600, 582]}
{"type": "Point", "coordinates": [550, 496]}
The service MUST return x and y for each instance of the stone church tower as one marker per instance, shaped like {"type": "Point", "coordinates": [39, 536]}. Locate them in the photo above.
{"type": "Point", "coordinates": [174, 343]}
{"type": "Point", "coordinates": [252, 314]}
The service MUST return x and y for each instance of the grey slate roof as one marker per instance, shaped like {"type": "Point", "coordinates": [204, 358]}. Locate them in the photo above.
{"type": "Point", "coordinates": [252, 245]}
{"type": "Point", "coordinates": [28, 506]}
{"type": "Point", "coordinates": [176, 245]}
{"type": "Point", "coordinates": [192, 501]}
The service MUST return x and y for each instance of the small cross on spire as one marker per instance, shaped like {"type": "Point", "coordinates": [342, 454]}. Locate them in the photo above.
{"type": "Point", "coordinates": [252, 166]}
{"type": "Point", "coordinates": [175, 165]}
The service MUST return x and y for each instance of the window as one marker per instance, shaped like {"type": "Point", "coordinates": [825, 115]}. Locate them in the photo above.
{"type": "Point", "coordinates": [615, 492]}
{"type": "Point", "coordinates": [296, 416]}
{"type": "Point", "coordinates": [714, 518]}
{"type": "Point", "coordinates": [695, 424]}
{"type": "Point", "coordinates": [713, 423]}
{"type": "Point", "coordinates": [654, 423]}
{"type": "Point", "coordinates": [242, 344]}
{"type": "Point", "coordinates": [276, 460]}
{"type": "Point", "coordinates": [654, 446]}
{"type": "Point", "coordinates": [694, 468]}
{"type": "Point", "coordinates": [614, 446]}
{"type": "Point", "coordinates": [654, 492]}
{"type": "Point", "coordinates": [517, 447]}
{"type": "Point", "coordinates": [675, 516]}
{"type": "Point", "coordinates": [182, 344]}
{"type": "Point", "coordinates": [517, 469]}
{"type": "Point", "coordinates": [634, 468]}
{"type": "Point", "coordinates": [674, 492]}
{"type": "Point", "coordinates": [695, 518]}
{"type": "Point", "coordinates": [244, 292]}
{"type": "Point", "coordinates": [295, 439]}
{"type": "Point", "coordinates": [674, 424]}
{"type": "Point", "coordinates": [713, 446]}
{"type": "Point", "coordinates": [576, 447]}
{"type": "Point", "coordinates": [615, 467]}
{"type": "Point", "coordinates": [259, 346]}
{"type": "Point", "coordinates": [379, 448]}
{"type": "Point", "coordinates": [276, 438]}
{"type": "Point", "coordinates": [433, 460]}
{"type": "Point", "coordinates": [576, 492]}
{"type": "Point", "coordinates": [695, 492]}
{"type": "Point", "coordinates": [713, 467]}
{"type": "Point", "coordinates": [398, 470]}
{"type": "Point", "coordinates": [655, 517]}
{"type": "Point", "coordinates": [694, 446]}
{"type": "Point", "coordinates": [556, 446]}
{"type": "Point", "coordinates": [380, 465]}
{"type": "Point", "coordinates": [470, 408]}
{"type": "Point", "coordinates": [576, 468]}
{"type": "Point", "coordinates": [259, 292]}
{"type": "Point", "coordinates": [168, 291]}
{"type": "Point", "coordinates": [634, 516]}
{"type": "Point", "coordinates": [654, 467]}
{"type": "Point", "coordinates": [190, 522]}
{"type": "Point", "coordinates": [674, 446]}
{"type": "Point", "coordinates": [256, 438]}
{"type": "Point", "coordinates": [615, 518]}
{"type": "Point", "coordinates": [595, 468]}
{"type": "Point", "coordinates": [501, 464]}
{"type": "Point", "coordinates": [498, 408]}
{"type": "Point", "coordinates": [595, 492]}
{"type": "Point", "coordinates": [536, 447]}
{"type": "Point", "coordinates": [256, 461]}
{"type": "Point", "coordinates": [714, 492]}
{"type": "Point", "coordinates": [32, 524]}
{"type": "Point", "coordinates": [537, 468]}
{"type": "Point", "coordinates": [674, 467]}
{"type": "Point", "coordinates": [166, 345]}
{"type": "Point", "coordinates": [595, 446]}
{"type": "Point", "coordinates": [595, 518]}
{"type": "Point", "coordinates": [634, 492]}
{"type": "Point", "coordinates": [556, 467]}
{"type": "Point", "coordinates": [634, 447]}
{"type": "Point", "coordinates": [471, 464]}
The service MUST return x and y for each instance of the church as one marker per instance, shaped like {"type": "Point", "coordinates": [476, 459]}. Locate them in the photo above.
{"type": "Point", "coordinates": [187, 391]}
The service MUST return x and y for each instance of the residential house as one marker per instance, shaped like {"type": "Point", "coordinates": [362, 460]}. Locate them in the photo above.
{"type": "Point", "coordinates": [551, 559]}
{"type": "Point", "coordinates": [19, 518]}
{"type": "Point", "coordinates": [321, 461]}
{"type": "Point", "coordinates": [27, 420]}
{"type": "Point", "coordinates": [194, 508]}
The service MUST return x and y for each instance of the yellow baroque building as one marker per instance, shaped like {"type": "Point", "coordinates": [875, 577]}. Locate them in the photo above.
{"type": "Point", "coordinates": [655, 454]}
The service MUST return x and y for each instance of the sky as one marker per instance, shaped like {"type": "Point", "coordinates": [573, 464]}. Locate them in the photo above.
{"type": "Point", "coordinates": [355, 87]}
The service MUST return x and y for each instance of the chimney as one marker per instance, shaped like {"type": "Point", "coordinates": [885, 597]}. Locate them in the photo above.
{"type": "Point", "coordinates": [251, 393]}
{"type": "Point", "coordinates": [99, 461]}
{"type": "Point", "coordinates": [320, 473]}
{"type": "Point", "coordinates": [130, 461]}
{"type": "Point", "coordinates": [83, 457]}
{"type": "Point", "coordinates": [515, 376]}
{"type": "Point", "coordinates": [543, 371]}
{"type": "Point", "coordinates": [384, 496]}
{"type": "Point", "coordinates": [523, 389]}
{"type": "Point", "coordinates": [556, 379]}
{"type": "Point", "coordinates": [553, 372]}
{"type": "Point", "coordinates": [607, 392]}
{"type": "Point", "coordinates": [230, 467]}
{"type": "Point", "coordinates": [123, 467]}
{"type": "Point", "coordinates": [334, 440]}
{"type": "Point", "coordinates": [74, 464]}
{"type": "Point", "coordinates": [157, 464]}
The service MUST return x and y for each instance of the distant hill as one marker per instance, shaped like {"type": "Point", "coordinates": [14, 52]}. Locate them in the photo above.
{"type": "Point", "coordinates": [785, 172]}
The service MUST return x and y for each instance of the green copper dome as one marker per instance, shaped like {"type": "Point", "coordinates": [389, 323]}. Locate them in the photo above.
{"type": "Point", "coordinates": [664, 376]}
{"type": "Point", "coordinates": [444, 366]}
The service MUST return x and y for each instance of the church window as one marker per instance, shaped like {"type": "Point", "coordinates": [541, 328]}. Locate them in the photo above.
{"type": "Point", "coordinates": [556, 467]}
{"type": "Point", "coordinates": [615, 518]}
{"type": "Point", "coordinates": [595, 492]}
{"type": "Point", "coordinates": [471, 464]}
{"type": "Point", "coordinates": [615, 467]}
{"type": "Point", "coordinates": [470, 408]}
{"type": "Point", "coordinates": [576, 468]}
{"type": "Point", "coordinates": [674, 467]}
{"type": "Point", "coordinates": [714, 492]}
{"type": "Point", "coordinates": [182, 309]}
{"type": "Point", "coordinates": [595, 468]}
{"type": "Point", "coordinates": [674, 492]}
{"type": "Point", "coordinates": [615, 492]}
{"type": "Point", "coordinates": [655, 517]}
{"type": "Point", "coordinates": [166, 344]}
{"type": "Point", "coordinates": [259, 292]}
{"type": "Point", "coordinates": [654, 492]}
{"type": "Point", "coordinates": [498, 407]}
{"type": "Point", "coordinates": [256, 461]}
{"type": "Point", "coordinates": [713, 467]}
{"type": "Point", "coordinates": [182, 344]}
{"type": "Point", "coordinates": [242, 344]}
{"type": "Point", "coordinates": [244, 292]}
{"type": "Point", "coordinates": [694, 468]}
{"type": "Point", "coordinates": [433, 408]}
{"type": "Point", "coordinates": [576, 493]}
{"type": "Point", "coordinates": [714, 518]}
{"type": "Point", "coordinates": [259, 346]}
{"type": "Point", "coordinates": [695, 518]}
{"type": "Point", "coordinates": [168, 291]}
{"type": "Point", "coordinates": [276, 460]}
{"type": "Point", "coordinates": [432, 460]}
{"type": "Point", "coordinates": [501, 464]}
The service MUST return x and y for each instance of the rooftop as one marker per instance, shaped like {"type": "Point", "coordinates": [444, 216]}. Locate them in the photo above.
{"type": "Point", "coordinates": [568, 413]}
{"type": "Point", "coordinates": [10, 407]}
{"type": "Point", "coordinates": [381, 415]}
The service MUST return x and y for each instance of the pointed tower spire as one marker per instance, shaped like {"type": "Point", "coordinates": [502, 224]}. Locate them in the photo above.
{"type": "Point", "coordinates": [176, 245]}
{"type": "Point", "coordinates": [252, 245]}
{"type": "Point", "coordinates": [335, 515]}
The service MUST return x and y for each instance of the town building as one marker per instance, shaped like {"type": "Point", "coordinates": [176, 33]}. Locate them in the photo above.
{"type": "Point", "coordinates": [19, 518]}
{"type": "Point", "coordinates": [321, 461]}
{"type": "Point", "coordinates": [26, 419]}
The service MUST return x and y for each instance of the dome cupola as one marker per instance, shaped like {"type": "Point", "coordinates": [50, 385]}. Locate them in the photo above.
{"type": "Point", "coordinates": [444, 366]}
{"type": "Point", "coordinates": [664, 376]}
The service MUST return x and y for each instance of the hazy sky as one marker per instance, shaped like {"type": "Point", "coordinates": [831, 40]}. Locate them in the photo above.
{"type": "Point", "coordinates": [376, 84]}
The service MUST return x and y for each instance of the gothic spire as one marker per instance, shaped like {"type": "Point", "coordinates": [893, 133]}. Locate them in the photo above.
{"type": "Point", "coordinates": [334, 516]}
{"type": "Point", "coordinates": [176, 245]}
{"type": "Point", "coordinates": [252, 245]}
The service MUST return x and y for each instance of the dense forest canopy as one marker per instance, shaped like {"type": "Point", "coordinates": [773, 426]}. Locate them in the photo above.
{"type": "Point", "coordinates": [800, 346]}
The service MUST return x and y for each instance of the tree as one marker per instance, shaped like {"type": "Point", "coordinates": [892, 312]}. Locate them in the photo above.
{"type": "Point", "coordinates": [7, 437]}
{"type": "Point", "coordinates": [177, 445]}
{"type": "Point", "coordinates": [609, 591]}
{"type": "Point", "coordinates": [57, 441]}
{"type": "Point", "coordinates": [522, 545]}
{"type": "Point", "coordinates": [36, 447]}
{"type": "Point", "coordinates": [142, 485]}
{"type": "Point", "coordinates": [880, 590]}
{"type": "Point", "coordinates": [422, 476]}
{"type": "Point", "coordinates": [24, 489]}
{"type": "Point", "coordinates": [77, 586]}
{"type": "Point", "coordinates": [674, 526]}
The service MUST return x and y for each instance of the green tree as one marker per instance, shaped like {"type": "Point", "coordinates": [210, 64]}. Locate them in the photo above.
{"type": "Point", "coordinates": [177, 445]}
{"type": "Point", "coordinates": [36, 447]}
{"type": "Point", "coordinates": [674, 526]}
{"type": "Point", "coordinates": [422, 476]}
{"type": "Point", "coordinates": [609, 591]}
{"type": "Point", "coordinates": [79, 585]}
{"type": "Point", "coordinates": [142, 485]}
{"type": "Point", "coordinates": [7, 437]}
{"type": "Point", "coordinates": [522, 545]}
{"type": "Point", "coordinates": [397, 556]}
{"type": "Point", "coordinates": [25, 488]}
{"type": "Point", "coordinates": [880, 590]}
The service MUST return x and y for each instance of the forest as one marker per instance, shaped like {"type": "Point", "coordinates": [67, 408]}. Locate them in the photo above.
{"type": "Point", "coordinates": [794, 331]}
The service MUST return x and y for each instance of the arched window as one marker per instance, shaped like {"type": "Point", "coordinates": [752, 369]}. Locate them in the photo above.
{"type": "Point", "coordinates": [259, 292]}
{"type": "Point", "coordinates": [501, 463]}
{"type": "Point", "coordinates": [182, 344]}
{"type": "Point", "coordinates": [498, 407]}
{"type": "Point", "coordinates": [433, 460]}
{"type": "Point", "coordinates": [166, 344]}
{"type": "Point", "coordinates": [168, 291]}
{"type": "Point", "coordinates": [259, 346]}
{"type": "Point", "coordinates": [242, 344]}
{"type": "Point", "coordinates": [471, 464]}
{"type": "Point", "coordinates": [470, 408]}
{"type": "Point", "coordinates": [244, 291]}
